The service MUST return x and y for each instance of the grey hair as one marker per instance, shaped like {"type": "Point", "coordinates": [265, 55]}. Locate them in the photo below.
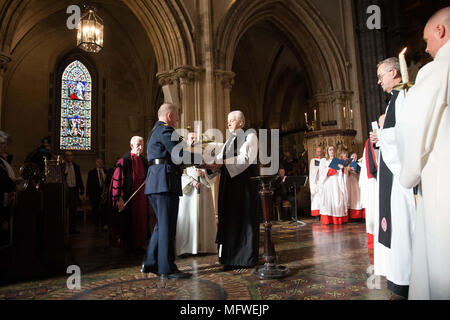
{"type": "Point", "coordinates": [135, 139]}
{"type": "Point", "coordinates": [165, 108]}
{"type": "Point", "coordinates": [4, 137]}
{"type": "Point", "coordinates": [390, 64]}
{"type": "Point", "coordinates": [239, 116]}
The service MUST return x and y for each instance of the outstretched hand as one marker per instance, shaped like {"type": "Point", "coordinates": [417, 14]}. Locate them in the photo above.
{"type": "Point", "coordinates": [120, 204]}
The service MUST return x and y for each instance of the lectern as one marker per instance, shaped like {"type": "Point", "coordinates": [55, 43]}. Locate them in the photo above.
{"type": "Point", "coordinates": [270, 270]}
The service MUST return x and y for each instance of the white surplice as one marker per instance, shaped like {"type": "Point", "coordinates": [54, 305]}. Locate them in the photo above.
{"type": "Point", "coordinates": [196, 230]}
{"type": "Point", "coordinates": [353, 191]}
{"type": "Point", "coordinates": [403, 211]}
{"type": "Point", "coordinates": [424, 148]}
{"type": "Point", "coordinates": [313, 186]}
{"type": "Point", "coordinates": [332, 191]}
{"type": "Point", "coordinates": [369, 196]}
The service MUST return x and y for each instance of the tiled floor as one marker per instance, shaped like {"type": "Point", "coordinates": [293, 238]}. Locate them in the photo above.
{"type": "Point", "coordinates": [325, 262]}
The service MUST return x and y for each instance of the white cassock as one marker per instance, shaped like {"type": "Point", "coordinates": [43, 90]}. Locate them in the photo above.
{"type": "Point", "coordinates": [193, 237]}
{"type": "Point", "coordinates": [354, 195]}
{"type": "Point", "coordinates": [369, 197]}
{"type": "Point", "coordinates": [333, 192]}
{"type": "Point", "coordinates": [424, 148]}
{"type": "Point", "coordinates": [397, 266]}
{"type": "Point", "coordinates": [313, 186]}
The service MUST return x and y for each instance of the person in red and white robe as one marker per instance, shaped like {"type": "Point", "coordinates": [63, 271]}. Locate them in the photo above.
{"type": "Point", "coordinates": [314, 166]}
{"type": "Point", "coordinates": [333, 191]}
{"type": "Point", "coordinates": [369, 190]}
{"type": "Point", "coordinates": [355, 210]}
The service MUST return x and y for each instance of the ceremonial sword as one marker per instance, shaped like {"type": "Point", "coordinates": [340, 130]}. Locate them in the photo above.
{"type": "Point", "coordinates": [125, 204]}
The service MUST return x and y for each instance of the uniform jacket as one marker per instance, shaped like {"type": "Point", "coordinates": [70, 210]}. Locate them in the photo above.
{"type": "Point", "coordinates": [163, 178]}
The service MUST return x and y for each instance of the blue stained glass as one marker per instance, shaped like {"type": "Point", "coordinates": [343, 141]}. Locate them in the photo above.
{"type": "Point", "coordinates": [76, 108]}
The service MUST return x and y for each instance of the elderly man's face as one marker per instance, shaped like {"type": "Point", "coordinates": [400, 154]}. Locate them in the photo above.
{"type": "Point", "coordinates": [386, 78]}
{"type": "Point", "coordinates": [191, 138]}
{"type": "Point", "coordinates": [233, 123]}
{"type": "Point", "coordinates": [319, 152]}
{"type": "Point", "coordinates": [137, 147]}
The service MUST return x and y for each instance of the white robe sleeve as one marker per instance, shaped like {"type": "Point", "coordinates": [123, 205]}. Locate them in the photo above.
{"type": "Point", "coordinates": [323, 172]}
{"type": "Point", "coordinates": [313, 173]}
{"type": "Point", "coordinates": [388, 140]}
{"type": "Point", "coordinates": [417, 127]}
{"type": "Point", "coordinates": [186, 181]}
{"type": "Point", "coordinates": [247, 155]}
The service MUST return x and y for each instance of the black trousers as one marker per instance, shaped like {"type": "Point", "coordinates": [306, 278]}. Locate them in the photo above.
{"type": "Point", "coordinates": [73, 201]}
{"type": "Point", "coordinates": [279, 201]}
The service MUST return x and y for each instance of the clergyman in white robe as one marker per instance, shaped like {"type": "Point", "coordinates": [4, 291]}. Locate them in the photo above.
{"type": "Point", "coordinates": [196, 229]}
{"type": "Point", "coordinates": [403, 211]}
{"type": "Point", "coordinates": [424, 148]}
{"type": "Point", "coordinates": [333, 194]}
{"type": "Point", "coordinates": [313, 186]}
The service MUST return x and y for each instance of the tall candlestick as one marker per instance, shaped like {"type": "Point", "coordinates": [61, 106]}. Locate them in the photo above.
{"type": "Point", "coordinates": [344, 112]}
{"type": "Point", "coordinates": [306, 118]}
{"type": "Point", "coordinates": [315, 115]}
{"type": "Point", "coordinates": [403, 66]}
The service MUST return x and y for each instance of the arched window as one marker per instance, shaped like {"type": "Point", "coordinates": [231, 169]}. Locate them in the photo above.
{"type": "Point", "coordinates": [76, 108]}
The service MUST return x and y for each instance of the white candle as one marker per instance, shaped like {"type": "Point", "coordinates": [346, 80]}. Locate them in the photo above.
{"type": "Point", "coordinates": [306, 117]}
{"type": "Point", "coordinates": [344, 112]}
{"type": "Point", "coordinates": [315, 115]}
{"type": "Point", "coordinates": [351, 114]}
{"type": "Point", "coordinates": [403, 66]}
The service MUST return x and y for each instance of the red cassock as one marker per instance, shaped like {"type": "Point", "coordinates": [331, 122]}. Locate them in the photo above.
{"type": "Point", "coordinates": [129, 228]}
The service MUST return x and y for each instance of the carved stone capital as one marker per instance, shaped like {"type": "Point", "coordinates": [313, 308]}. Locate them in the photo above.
{"type": "Point", "coordinates": [165, 78]}
{"type": "Point", "coordinates": [226, 78]}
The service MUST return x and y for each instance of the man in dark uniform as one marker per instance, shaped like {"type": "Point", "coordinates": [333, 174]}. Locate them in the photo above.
{"type": "Point", "coordinates": [163, 188]}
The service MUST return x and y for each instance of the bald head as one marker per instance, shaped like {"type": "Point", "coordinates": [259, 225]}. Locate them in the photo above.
{"type": "Point", "coordinates": [168, 113]}
{"type": "Point", "coordinates": [437, 31]}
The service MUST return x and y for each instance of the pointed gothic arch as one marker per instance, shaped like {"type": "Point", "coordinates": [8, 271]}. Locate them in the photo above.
{"type": "Point", "coordinates": [309, 34]}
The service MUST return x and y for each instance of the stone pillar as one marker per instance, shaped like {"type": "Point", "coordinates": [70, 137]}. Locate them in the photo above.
{"type": "Point", "coordinates": [181, 87]}
{"type": "Point", "coordinates": [224, 84]}
{"type": "Point", "coordinates": [4, 60]}
{"type": "Point", "coordinates": [190, 110]}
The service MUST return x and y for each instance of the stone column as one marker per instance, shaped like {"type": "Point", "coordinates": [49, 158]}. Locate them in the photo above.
{"type": "Point", "coordinates": [4, 60]}
{"type": "Point", "coordinates": [224, 84]}
{"type": "Point", "coordinates": [190, 110]}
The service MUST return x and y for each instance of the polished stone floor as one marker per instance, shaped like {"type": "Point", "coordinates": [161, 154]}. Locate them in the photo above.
{"type": "Point", "coordinates": [325, 263]}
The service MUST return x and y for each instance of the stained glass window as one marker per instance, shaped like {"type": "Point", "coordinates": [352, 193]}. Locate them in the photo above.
{"type": "Point", "coordinates": [76, 93]}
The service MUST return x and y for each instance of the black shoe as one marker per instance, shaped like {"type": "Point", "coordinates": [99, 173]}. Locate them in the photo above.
{"type": "Point", "coordinates": [146, 269]}
{"type": "Point", "coordinates": [229, 268]}
{"type": "Point", "coordinates": [176, 275]}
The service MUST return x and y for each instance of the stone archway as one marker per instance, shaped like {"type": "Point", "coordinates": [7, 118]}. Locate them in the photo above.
{"type": "Point", "coordinates": [306, 30]}
{"type": "Point", "coordinates": [331, 85]}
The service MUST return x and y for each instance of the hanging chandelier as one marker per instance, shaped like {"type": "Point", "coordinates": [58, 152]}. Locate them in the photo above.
{"type": "Point", "coordinates": [90, 32]}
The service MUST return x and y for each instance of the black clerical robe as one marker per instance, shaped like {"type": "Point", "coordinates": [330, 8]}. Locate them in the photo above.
{"type": "Point", "coordinates": [385, 183]}
{"type": "Point", "coordinates": [238, 213]}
